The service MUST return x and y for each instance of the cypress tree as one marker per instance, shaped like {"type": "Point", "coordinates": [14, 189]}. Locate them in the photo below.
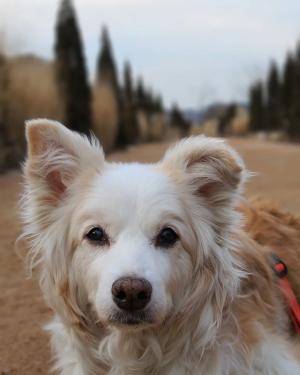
{"type": "Point", "coordinates": [107, 75]}
{"type": "Point", "coordinates": [129, 110]}
{"type": "Point", "coordinates": [150, 101]}
{"type": "Point", "coordinates": [2, 98]}
{"type": "Point", "coordinates": [288, 83]}
{"type": "Point", "coordinates": [106, 67]}
{"type": "Point", "coordinates": [177, 120]}
{"type": "Point", "coordinates": [227, 116]}
{"type": "Point", "coordinates": [273, 108]}
{"type": "Point", "coordinates": [128, 85]}
{"type": "Point", "coordinates": [71, 69]}
{"type": "Point", "coordinates": [257, 107]}
{"type": "Point", "coordinates": [294, 129]}
{"type": "Point", "coordinates": [288, 90]}
{"type": "Point", "coordinates": [141, 95]}
{"type": "Point", "coordinates": [158, 104]}
{"type": "Point", "coordinates": [3, 132]}
{"type": "Point", "coordinates": [9, 148]}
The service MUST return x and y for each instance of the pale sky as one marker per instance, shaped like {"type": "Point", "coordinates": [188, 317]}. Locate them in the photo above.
{"type": "Point", "coordinates": [191, 51]}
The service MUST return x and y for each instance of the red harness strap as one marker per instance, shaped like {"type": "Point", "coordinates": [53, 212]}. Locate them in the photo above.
{"type": "Point", "coordinates": [281, 272]}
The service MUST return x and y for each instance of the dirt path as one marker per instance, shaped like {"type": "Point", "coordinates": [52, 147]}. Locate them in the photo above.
{"type": "Point", "coordinates": [23, 345]}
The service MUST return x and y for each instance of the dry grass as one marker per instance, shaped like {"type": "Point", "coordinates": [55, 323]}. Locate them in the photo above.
{"type": "Point", "coordinates": [143, 125]}
{"type": "Point", "coordinates": [151, 127]}
{"type": "Point", "coordinates": [105, 116]}
{"type": "Point", "coordinates": [210, 128]}
{"type": "Point", "coordinates": [157, 127]}
{"type": "Point", "coordinates": [239, 126]}
{"type": "Point", "coordinates": [31, 92]}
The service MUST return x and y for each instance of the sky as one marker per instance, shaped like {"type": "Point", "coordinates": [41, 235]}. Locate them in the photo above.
{"type": "Point", "coordinates": [192, 52]}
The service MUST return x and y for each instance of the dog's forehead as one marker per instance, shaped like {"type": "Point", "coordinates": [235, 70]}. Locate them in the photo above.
{"type": "Point", "coordinates": [134, 181]}
{"type": "Point", "coordinates": [128, 189]}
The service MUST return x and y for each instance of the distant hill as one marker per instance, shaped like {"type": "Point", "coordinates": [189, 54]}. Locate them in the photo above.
{"type": "Point", "coordinates": [194, 115]}
{"type": "Point", "coordinates": [214, 110]}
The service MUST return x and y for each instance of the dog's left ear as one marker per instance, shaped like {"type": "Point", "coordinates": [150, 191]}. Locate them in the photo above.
{"type": "Point", "coordinates": [56, 157]}
{"type": "Point", "coordinates": [207, 166]}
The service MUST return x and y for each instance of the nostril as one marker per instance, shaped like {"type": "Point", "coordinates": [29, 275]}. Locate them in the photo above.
{"type": "Point", "coordinates": [121, 295]}
{"type": "Point", "coordinates": [142, 295]}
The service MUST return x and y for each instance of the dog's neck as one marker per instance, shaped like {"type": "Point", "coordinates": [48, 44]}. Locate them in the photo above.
{"type": "Point", "coordinates": [158, 350]}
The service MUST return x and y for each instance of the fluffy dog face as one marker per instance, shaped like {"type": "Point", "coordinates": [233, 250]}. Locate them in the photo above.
{"type": "Point", "coordinates": [130, 225]}
{"type": "Point", "coordinates": [136, 244]}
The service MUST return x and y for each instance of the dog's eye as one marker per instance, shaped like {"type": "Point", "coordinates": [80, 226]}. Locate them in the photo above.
{"type": "Point", "coordinates": [97, 236]}
{"type": "Point", "coordinates": [167, 237]}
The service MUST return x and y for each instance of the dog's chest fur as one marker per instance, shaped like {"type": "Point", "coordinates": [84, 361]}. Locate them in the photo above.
{"type": "Point", "coordinates": [73, 357]}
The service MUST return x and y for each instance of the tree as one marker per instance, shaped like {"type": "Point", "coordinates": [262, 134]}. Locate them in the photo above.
{"type": "Point", "coordinates": [256, 107]}
{"type": "Point", "coordinates": [2, 96]}
{"type": "Point", "coordinates": [129, 108]}
{"type": "Point", "coordinates": [150, 105]}
{"type": "Point", "coordinates": [107, 75]}
{"type": "Point", "coordinates": [273, 105]}
{"type": "Point", "coordinates": [294, 128]}
{"type": "Point", "coordinates": [158, 104]}
{"type": "Point", "coordinates": [288, 84]}
{"type": "Point", "coordinates": [9, 157]}
{"type": "Point", "coordinates": [227, 116]}
{"type": "Point", "coordinates": [71, 69]}
{"type": "Point", "coordinates": [106, 67]}
{"type": "Point", "coordinates": [141, 95]}
{"type": "Point", "coordinates": [128, 85]}
{"type": "Point", "coordinates": [177, 120]}
{"type": "Point", "coordinates": [3, 132]}
{"type": "Point", "coordinates": [288, 90]}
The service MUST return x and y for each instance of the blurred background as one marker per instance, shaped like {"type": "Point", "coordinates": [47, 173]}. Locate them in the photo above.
{"type": "Point", "coordinates": [141, 74]}
{"type": "Point", "coordinates": [139, 71]}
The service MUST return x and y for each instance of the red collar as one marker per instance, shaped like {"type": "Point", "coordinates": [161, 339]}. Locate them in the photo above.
{"type": "Point", "coordinates": [280, 269]}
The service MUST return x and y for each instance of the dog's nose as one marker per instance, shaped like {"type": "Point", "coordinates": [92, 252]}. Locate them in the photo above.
{"type": "Point", "coordinates": [131, 293]}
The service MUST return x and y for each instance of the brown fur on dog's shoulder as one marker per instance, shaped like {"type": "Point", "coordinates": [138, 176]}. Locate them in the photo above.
{"type": "Point", "coordinates": [277, 232]}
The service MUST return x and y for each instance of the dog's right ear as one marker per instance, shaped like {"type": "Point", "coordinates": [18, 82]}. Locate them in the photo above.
{"type": "Point", "coordinates": [56, 156]}
{"type": "Point", "coordinates": [208, 167]}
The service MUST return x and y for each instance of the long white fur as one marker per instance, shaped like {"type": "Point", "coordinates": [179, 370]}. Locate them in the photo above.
{"type": "Point", "coordinates": [194, 330]}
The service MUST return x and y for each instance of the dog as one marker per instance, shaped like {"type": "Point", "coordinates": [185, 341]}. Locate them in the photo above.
{"type": "Point", "coordinates": [156, 268]}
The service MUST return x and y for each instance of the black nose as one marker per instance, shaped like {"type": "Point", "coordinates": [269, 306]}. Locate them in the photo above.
{"type": "Point", "coordinates": [131, 294]}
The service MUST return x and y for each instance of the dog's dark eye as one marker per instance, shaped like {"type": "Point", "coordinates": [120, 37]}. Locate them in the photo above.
{"type": "Point", "coordinates": [97, 236]}
{"type": "Point", "coordinates": [167, 237]}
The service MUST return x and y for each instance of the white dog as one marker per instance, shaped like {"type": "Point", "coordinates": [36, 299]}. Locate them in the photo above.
{"type": "Point", "coordinates": [146, 267]}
